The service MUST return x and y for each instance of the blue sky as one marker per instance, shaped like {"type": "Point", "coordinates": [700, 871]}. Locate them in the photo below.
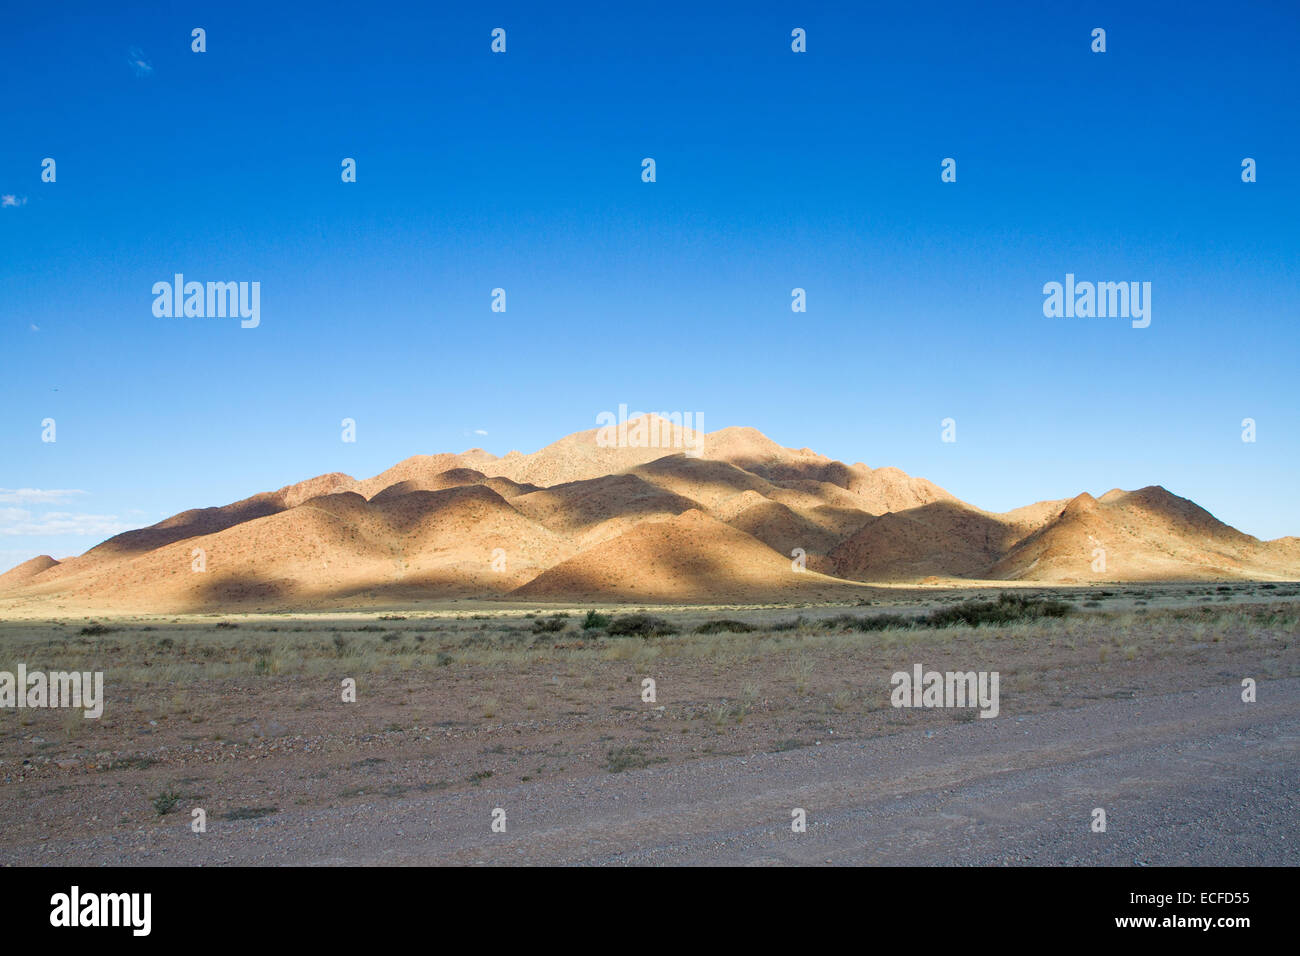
{"type": "Point", "coordinates": [775, 170]}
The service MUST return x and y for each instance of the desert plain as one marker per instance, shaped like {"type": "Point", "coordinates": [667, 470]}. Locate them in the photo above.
{"type": "Point", "coordinates": [634, 655]}
{"type": "Point", "coordinates": [460, 712]}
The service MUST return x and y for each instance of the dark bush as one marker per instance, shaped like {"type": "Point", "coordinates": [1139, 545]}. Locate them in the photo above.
{"type": "Point", "coordinates": [640, 625]}
{"type": "Point", "coordinates": [595, 621]}
{"type": "Point", "coordinates": [724, 626]}
{"type": "Point", "coordinates": [791, 625]}
{"type": "Point", "coordinates": [1007, 609]}
{"type": "Point", "coordinates": [877, 622]}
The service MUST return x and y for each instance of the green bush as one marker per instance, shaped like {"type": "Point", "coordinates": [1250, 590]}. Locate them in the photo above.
{"type": "Point", "coordinates": [165, 802]}
{"type": "Point", "coordinates": [595, 621]}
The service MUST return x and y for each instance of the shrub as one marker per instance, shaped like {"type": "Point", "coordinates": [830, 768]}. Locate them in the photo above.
{"type": "Point", "coordinates": [724, 626]}
{"type": "Point", "coordinates": [1007, 609]}
{"type": "Point", "coordinates": [630, 757]}
{"type": "Point", "coordinates": [640, 625]}
{"type": "Point", "coordinates": [595, 621]}
{"type": "Point", "coordinates": [878, 622]}
{"type": "Point", "coordinates": [165, 802]}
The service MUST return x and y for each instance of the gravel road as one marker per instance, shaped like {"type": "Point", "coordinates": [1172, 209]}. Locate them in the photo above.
{"type": "Point", "coordinates": [1193, 778]}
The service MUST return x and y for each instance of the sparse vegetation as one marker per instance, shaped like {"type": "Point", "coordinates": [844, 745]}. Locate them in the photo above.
{"type": "Point", "coordinates": [725, 627]}
{"type": "Point", "coordinates": [228, 719]}
{"type": "Point", "coordinates": [165, 802]}
{"type": "Point", "coordinates": [800, 670]}
{"type": "Point", "coordinates": [629, 757]}
{"type": "Point", "coordinates": [640, 625]}
{"type": "Point", "coordinates": [877, 622]}
{"type": "Point", "coordinates": [1007, 609]}
{"type": "Point", "coordinates": [249, 813]}
{"type": "Point", "coordinates": [790, 743]}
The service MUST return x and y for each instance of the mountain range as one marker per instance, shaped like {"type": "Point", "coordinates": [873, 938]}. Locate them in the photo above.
{"type": "Point", "coordinates": [745, 520]}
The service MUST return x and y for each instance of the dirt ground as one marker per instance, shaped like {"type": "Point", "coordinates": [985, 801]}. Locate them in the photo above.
{"type": "Point", "coordinates": [244, 717]}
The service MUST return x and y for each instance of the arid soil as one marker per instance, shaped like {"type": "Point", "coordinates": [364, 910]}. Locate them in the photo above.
{"type": "Point", "coordinates": [473, 708]}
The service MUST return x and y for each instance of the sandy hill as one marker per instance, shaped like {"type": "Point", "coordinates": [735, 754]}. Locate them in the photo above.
{"type": "Point", "coordinates": [702, 480]}
{"type": "Point", "coordinates": [1149, 534]}
{"type": "Point", "coordinates": [781, 528]}
{"type": "Point", "coordinates": [453, 478]}
{"type": "Point", "coordinates": [424, 470]}
{"type": "Point", "coordinates": [17, 577]}
{"type": "Point", "coordinates": [333, 546]}
{"type": "Point", "coordinates": [944, 539]}
{"type": "Point", "coordinates": [684, 517]}
{"type": "Point", "coordinates": [200, 521]}
{"type": "Point", "coordinates": [595, 509]}
{"type": "Point", "coordinates": [691, 557]}
{"type": "Point", "coordinates": [597, 452]}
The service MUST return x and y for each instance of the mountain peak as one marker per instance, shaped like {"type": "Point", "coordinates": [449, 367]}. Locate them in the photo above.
{"type": "Point", "coordinates": [633, 511]}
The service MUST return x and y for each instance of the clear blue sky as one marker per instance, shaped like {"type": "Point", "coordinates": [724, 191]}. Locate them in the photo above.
{"type": "Point", "coordinates": [523, 171]}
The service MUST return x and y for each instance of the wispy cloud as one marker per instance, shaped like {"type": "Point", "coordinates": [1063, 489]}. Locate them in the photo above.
{"type": "Point", "coordinates": [24, 521]}
{"type": "Point", "coordinates": [139, 63]}
{"type": "Point", "coordinates": [480, 431]}
{"type": "Point", "coordinates": [9, 199]}
{"type": "Point", "coordinates": [37, 495]}
{"type": "Point", "coordinates": [20, 521]}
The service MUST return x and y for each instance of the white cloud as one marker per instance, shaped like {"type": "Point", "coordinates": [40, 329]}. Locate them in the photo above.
{"type": "Point", "coordinates": [36, 495]}
{"type": "Point", "coordinates": [480, 431]}
{"type": "Point", "coordinates": [9, 199]}
{"type": "Point", "coordinates": [139, 64]}
{"type": "Point", "coordinates": [20, 521]}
